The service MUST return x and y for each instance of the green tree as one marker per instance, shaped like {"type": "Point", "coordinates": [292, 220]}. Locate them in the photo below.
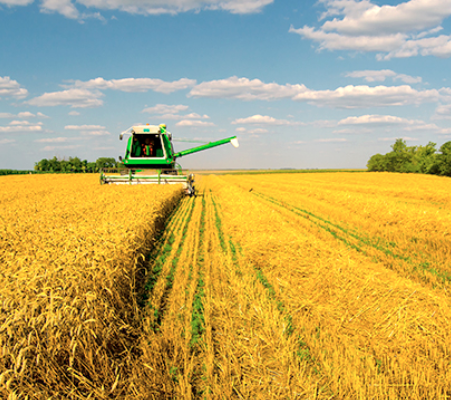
{"type": "Point", "coordinates": [42, 165]}
{"type": "Point", "coordinates": [426, 158]}
{"type": "Point", "coordinates": [444, 159]}
{"type": "Point", "coordinates": [75, 164]}
{"type": "Point", "coordinates": [92, 167]}
{"type": "Point", "coordinates": [400, 157]}
{"type": "Point", "coordinates": [376, 163]}
{"type": "Point", "coordinates": [54, 165]}
{"type": "Point", "coordinates": [105, 162]}
{"type": "Point", "coordinates": [420, 159]}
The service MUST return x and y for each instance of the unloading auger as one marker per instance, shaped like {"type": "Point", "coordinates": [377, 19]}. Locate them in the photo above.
{"type": "Point", "coordinates": [150, 158]}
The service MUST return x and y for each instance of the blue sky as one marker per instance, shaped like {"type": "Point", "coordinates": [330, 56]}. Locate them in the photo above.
{"type": "Point", "coordinates": [303, 84]}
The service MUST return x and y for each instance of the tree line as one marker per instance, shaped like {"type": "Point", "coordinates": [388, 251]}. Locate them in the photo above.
{"type": "Point", "coordinates": [416, 159]}
{"type": "Point", "coordinates": [74, 165]}
{"type": "Point", "coordinates": [15, 172]}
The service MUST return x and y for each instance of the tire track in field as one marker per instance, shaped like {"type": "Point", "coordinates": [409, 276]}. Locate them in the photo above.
{"type": "Point", "coordinates": [416, 270]}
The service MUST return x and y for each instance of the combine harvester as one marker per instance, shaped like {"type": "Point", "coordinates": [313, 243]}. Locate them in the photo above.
{"type": "Point", "coordinates": [150, 159]}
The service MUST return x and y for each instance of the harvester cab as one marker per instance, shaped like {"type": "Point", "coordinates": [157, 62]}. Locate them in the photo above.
{"type": "Point", "coordinates": [149, 146]}
{"type": "Point", "coordinates": [150, 158]}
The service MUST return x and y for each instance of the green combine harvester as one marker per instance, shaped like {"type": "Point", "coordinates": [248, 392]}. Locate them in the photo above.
{"type": "Point", "coordinates": [150, 159]}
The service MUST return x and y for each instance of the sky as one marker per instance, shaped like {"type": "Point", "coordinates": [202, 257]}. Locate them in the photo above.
{"type": "Point", "coordinates": [303, 84]}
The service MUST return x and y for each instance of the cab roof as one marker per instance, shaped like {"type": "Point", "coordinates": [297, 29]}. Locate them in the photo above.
{"type": "Point", "coordinates": [146, 129]}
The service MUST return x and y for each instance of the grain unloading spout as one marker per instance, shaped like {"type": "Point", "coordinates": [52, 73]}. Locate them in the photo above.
{"type": "Point", "coordinates": [233, 140]}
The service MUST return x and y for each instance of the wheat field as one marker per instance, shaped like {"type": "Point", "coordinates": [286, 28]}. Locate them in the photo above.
{"type": "Point", "coordinates": [70, 254]}
{"type": "Point", "coordinates": [283, 286]}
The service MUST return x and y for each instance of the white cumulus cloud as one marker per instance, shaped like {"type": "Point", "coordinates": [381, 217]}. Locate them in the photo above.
{"type": "Point", "coordinates": [186, 122]}
{"type": "Point", "coordinates": [413, 15]}
{"type": "Point", "coordinates": [88, 130]}
{"type": "Point", "coordinates": [245, 89]}
{"type": "Point", "coordinates": [343, 97]}
{"type": "Point", "coordinates": [53, 140]}
{"type": "Point", "coordinates": [148, 7]}
{"type": "Point", "coordinates": [11, 3]}
{"type": "Point", "coordinates": [22, 128]}
{"type": "Point", "coordinates": [134, 84]}
{"type": "Point", "coordinates": [64, 7]}
{"type": "Point", "coordinates": [24, 123]}
{"type": "Point", "coordinates": [336, 41]}
{"type": "Point", "coordinates": [408, 125]}
{"type": "Point", "coordinates": [160, 109]}
{"type": "Point", "coordinates": [262, 120]}
{"type": "Point", "coordinates": [443, 112]}
{"type": "Point", "coordinates": [376, 120]}
{"type": "Point", "coordinates": [381, 75]}
{"type": "Point", "coordinates": [11, 88]}
{"type": "Point", "coordinates": [433, 128]}
{"type": "Point", "coordinates": [171, 112]}
{"type": "Point", "coordinates": [24, 114]}
{"type": "Point", "coordinates": [366, 96]}
{"type": "Point", "coordinates": [84, 127]}
{"type": "Point", "coordinates": [439, 46]}
{"type": "Point", "coordinates": [165, 117]}
{"type": "Point", "coordinates": [395, 31]}
{"type": "Point", "coordinates": [75, 98]}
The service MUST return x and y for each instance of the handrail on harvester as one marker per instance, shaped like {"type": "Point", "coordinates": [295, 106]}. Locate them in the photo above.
{"type": "Point", "coordinates": [232, 140]}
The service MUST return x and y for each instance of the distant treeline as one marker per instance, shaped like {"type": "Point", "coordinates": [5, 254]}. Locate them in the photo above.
{"type": "Point", "coordinates": [419, 159]}
{"type": "Point", "coordinates": [74, 165]}
{"type": "Point", "coordinates": [15, 172]}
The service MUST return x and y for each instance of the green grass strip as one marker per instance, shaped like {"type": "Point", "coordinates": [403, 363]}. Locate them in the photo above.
{"type": "Point", "coordinates": [424, 266]}
{"type": "Point", "coordinates": [303, 351]}
{"type": "Point", "coordinates": [165, 238]}
{"type": "Point", "coordinates": [159, 262]}
{"type": "Point", "coordinates": [197, 317]}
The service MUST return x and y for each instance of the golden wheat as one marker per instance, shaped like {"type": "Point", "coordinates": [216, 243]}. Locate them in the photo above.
{"type": "Point", "coordinates": [330, 285]}
{"type": "Point", "coordinates": [70, 253]}
{"type": "Point", "coordinates": [373, 333]}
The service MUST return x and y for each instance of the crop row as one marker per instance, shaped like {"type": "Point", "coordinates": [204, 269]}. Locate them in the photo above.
{"type": "Point", "coordinates": [367, 211]}
{"type": "Point", "coordinates": [273, 298]}
{"type": "Point", "coordinates": [374, 332]}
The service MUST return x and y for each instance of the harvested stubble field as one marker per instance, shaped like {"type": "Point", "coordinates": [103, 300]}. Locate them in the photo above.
{"type": "Point", "coordinates": [284, 286]}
